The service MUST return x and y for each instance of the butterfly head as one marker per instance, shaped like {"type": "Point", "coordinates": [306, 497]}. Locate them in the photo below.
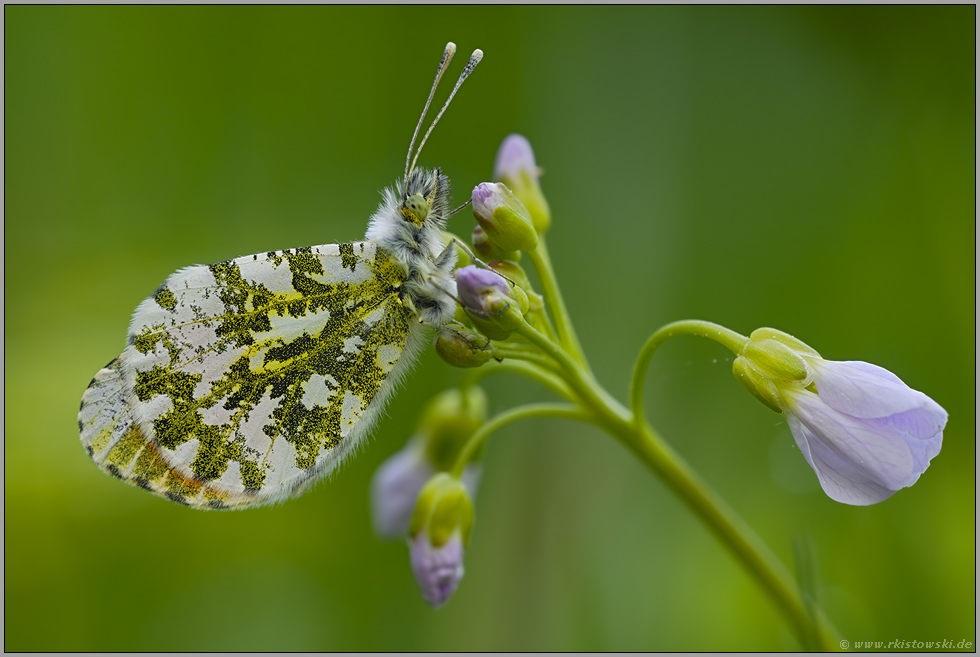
{"type": "Point", "coordinates": [425, 197]}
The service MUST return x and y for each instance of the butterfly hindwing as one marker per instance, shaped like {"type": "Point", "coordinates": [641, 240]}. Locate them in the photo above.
{"type": "Point", "coordinates": [246, 380]}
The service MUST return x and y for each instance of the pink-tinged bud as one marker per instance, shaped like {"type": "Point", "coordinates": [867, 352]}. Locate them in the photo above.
{"type": "Point", "coordinates": [514, 157]}
{"type": "Point", "coordinates": [482, 290]}
{"type": "Point", "coordinates": [439, 530]}
{"type": "Point", "coordinates": [495, 308]}
{"type": "Point", "coordinates": [517, 169]}
{"type": "Point", "coordinates": [504, 218]}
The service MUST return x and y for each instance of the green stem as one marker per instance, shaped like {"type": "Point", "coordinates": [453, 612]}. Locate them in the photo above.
{"type": "Point", "coordinates": [735, 342]}
{"type": "Point", "coordinates": [514, 352]}
{"type": "Point", "coordinates": [733, 532]}
{"type": "Point", "coordinates": [540, 321]}
{"type": "Point", "coordinates": [643, 441]}
{"type": "Point", "coordinates": [569, 411]}
{"type": "Point", "coordinates": [553, 300]}
{"type": "Point", "coordinates": [545, 378]}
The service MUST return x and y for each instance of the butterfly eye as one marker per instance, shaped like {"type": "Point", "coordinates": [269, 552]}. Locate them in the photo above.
{"type": "Point", "coordinates": [415, 209]}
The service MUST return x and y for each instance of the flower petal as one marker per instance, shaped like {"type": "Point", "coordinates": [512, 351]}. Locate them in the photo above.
{"type": "Point", "coordinates": [839, 480]}
{"type": "Point", "coordinates": [514, 157]}
{"type": "Point", "coordinates": [475, 286]}
{"type": "Point", "coordinates": [862, 390]}
{"type": "Point", "coordinates": [873, 449]}
{"type": "Point", "coordinates": [395, 489]}
{"type": "Point", "coordinates": [437, 569]}
{"type": "Point", "coordinates": [922, 430]}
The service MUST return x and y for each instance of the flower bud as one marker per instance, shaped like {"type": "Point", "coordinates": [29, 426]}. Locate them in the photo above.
{"type": "Point", "coordinates": [486, 249]}
{"type": "Point", "coordinates": [516, 273]}
{"type": "Point", "coordinates": [439, 531]}
{"type": "Point", "coordinates": [761, 387]}
{"type": "Point", "coordinates": [495, 307]}
{"type": "Point", "coordinates": [504, 218]}
{"type": "Point", "coordinates": [482, 290]}
{"type": "Point", "coordinates": [461, 347]}
{"type": "Point", "coordinates": [449, 420]}
{"type": "Point", "coordinates": [516, 168]}
{"type": "Point", "coordinates": [443, 507]}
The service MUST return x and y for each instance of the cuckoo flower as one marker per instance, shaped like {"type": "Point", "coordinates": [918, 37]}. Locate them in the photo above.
{"type": "Point", "coordinates": [863, 431]}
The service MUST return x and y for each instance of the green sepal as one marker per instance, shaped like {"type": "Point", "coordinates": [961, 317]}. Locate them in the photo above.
{"type": "Point", "coordinates": [757, 383]}
{"type": "Point", "coordinates": [443, 507]}
{"type": "Point", "coordinates": [776, 360]}
{"type": "Point", "coordinates": [488, 328]}
{"type": "Point", "coordinates": [513, 231]}
{"type": "Point", "coordinates": [516, 273]}
{"type": "Point", "coordinates": [506, 316]}
{"type": "Point", "coordinates": [528, 190]}
{"type": "Point", "coordinates": [785, 338]}
{"type": "Point", "coordinates": [487, 250]}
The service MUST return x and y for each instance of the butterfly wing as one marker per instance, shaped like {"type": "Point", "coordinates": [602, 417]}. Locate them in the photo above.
{"type": "Point", "coordinates": [247, 380]}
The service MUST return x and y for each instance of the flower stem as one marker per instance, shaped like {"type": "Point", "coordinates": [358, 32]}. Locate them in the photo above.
{"type": "Point", "coordinates": [735, 342]}
{"type": "Point", "coordinates": [733, 532]}
{"type": "Point", "coordinates": [533, 372]}
{"type": "Point", "coordinates": [643, 441]}
{"type": "Point", "coordinates": [569, 411]}
{"type": "Point", "coordinates": [553, 300]}
{"type": "Point", "coordinates": [518, 353]}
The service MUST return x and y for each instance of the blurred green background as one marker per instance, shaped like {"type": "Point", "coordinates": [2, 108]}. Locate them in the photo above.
{"type": "Point", "coordinates": [808, 169]}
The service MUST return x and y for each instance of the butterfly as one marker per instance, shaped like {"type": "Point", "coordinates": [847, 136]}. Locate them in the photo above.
{"type": "Point", "coordinates": [246, 381]}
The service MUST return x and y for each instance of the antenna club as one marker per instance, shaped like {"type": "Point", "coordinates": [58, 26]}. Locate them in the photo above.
{"type": "Point", "coordinates": [477, 55]}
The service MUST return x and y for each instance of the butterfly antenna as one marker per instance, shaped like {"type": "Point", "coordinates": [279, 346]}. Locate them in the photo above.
{"type": "Point", "coordinates": [470, 65]}
{"type": "Point", "coordinates": [447, 57]}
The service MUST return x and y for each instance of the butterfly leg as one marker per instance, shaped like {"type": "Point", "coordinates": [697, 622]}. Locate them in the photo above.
{"type": "Point", "coordinates": [445, 255]}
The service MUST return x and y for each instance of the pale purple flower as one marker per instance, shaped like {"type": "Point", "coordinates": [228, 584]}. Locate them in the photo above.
{"type": "Point", "coordinates": [864, 432]}
{"type": "Point", "coordinates": [437, 569]}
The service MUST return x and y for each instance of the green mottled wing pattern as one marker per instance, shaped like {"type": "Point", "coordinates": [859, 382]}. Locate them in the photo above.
{"type": "Point", "coordinates": [247, 380]}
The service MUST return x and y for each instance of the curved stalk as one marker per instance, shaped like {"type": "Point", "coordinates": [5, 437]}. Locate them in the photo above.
{"type": "Point", "coordinates": [735, 342]}
{"type": "Point", "coordinates": [569, 411]}
{"type": "Point", "coordinates": [721, 519]}
{"type": "Point", "coordinates": [526, 369]}
{"type": "Point", "coordinates": [519, 353]}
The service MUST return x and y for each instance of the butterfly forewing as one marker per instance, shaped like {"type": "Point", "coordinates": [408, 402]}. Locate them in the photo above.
{"type": "Point", "coordinates": [246, 379]}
